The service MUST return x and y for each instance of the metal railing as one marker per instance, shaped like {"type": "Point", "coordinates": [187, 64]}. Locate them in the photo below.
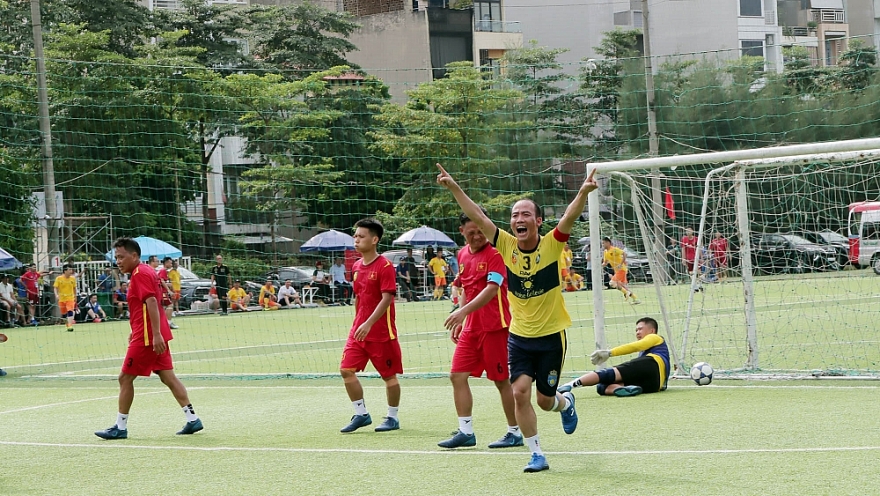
{"type": "Point", "coordinates": [489, 26]}
{"type": "Point", "coordinates": [826, 16]}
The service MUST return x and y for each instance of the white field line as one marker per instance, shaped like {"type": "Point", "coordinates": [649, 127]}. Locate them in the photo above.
{"type": "Point", "coordinates": [65, 403]}
{"type": "Point", "coordinates": [123, 445]}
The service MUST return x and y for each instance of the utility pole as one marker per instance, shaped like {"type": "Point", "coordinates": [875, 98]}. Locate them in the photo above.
{"type": "Point", "coordinates": [45, 134]}
{"type": "Point", "coordinates": [653, 146]}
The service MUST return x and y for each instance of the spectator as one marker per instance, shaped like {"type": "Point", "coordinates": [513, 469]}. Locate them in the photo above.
{"type": "Point", "coordinates": [452, 261]}
{"type": "Point", "coordinates": [174, 277]}
{"type": "Point", "coordinates": [9, 304]}
{"type": "Point", "coordinates": [404, 279]}
{"type": "Point", "coordinates": [689, 249]}
{"type": "Point", "coordinates": [337, 278]}
{"type": "Point", "coordinates": [120, 301]}
{"type": "Point", "coordinates": [321, 280]}
{"type": "Point", "coordinates": [673, 262]}
{"type": "Point", "coordinates": [94, 312]}
{"type": "Point", "coordinates": [106, 284]}
{"type": "Point", "coordinates": [267, 296]}
{"type": "Point", "coordinates": [30, 280]}
{"type": "Point", "coordinates": [414, 275]}
{"type": "Point", "coordinates": [429, 253]}
{"type": "Point", "coordinates": [288, 297]}
{"type": "Point", "coordinates": [574, 281]}
{"type": "Point", "coordinates": [718, 248]}
{"type": "Point", "coordinates": [220, 278]}
{"type": "Point", "coordinates": [212, 299]}
{"type": "Point", "coordinates": [238, 298]}
{"type": "Point", "coordinates": [167, 291]}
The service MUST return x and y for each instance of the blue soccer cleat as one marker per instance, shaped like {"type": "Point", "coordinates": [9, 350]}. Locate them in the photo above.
{"type": "Point", "coordinates": [537, 464]}
{"type": "Point", "coordinates": [625, 391]}
{"type": "Point", "coordinates": [510, 440]}
{"type": "Point", "coordinates": [389, 424]}
{"type": "Point", "coordinates": [459, 440]}
{"type": "Point", "coordinates": [2, 372]}
{"type": "Point", "coordinates": [191, 427]}
{"type": "Point", "coordinates": [564, 388]}
{"type": "Point", "coordinates": [569, 415]}
{"type": "Point", "coordinates": [113, 433]}
{"type": "Point", "coordinates": [357, 421]}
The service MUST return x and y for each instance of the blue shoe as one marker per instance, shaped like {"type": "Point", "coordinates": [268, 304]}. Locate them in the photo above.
{"type": "Point", "coordinates": [537, 464]}
{"type": "Point", "coordinates": [357, 421]}
{"type": "Point", "coordinates": [2, 372]}
{"type": "Point", "coordinates": [509, 440]}
{"type": "Point", "coordinates": [191, 427]}
{"type": "Point", "coordinates": [625, 391]}
{"type": "Point", "coordinates": [569, 415]}
{"type": "Point", "coordinates": [564, 388]}
{"type": "Point", "coordinates": [113, 433]}
{"type": "Point", "coordinates": [459, 440]}
{"type": "Point", "coordinates": [389, 424]}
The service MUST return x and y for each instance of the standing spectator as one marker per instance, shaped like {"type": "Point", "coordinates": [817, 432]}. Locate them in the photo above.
{"type": "Point", "coordinates": [718, 247]}
{"type": "Point", "coordinates": [168, 293]}
{"type": "Point", "coordinates": [9, 303]}
{"type": "Point", "coordinates": [438, 268]}
{"type": "Point", "coordinates": [174, 277]}
{"type": "Point", "coordinates": [94, 312]}
{"type": "Point", "coordinates": [30, 280]}
{"type": "Point", "coordinates": [337, 278]}
{"type": "Point", "coordinates": [120, 299]}
{"type": "Point", "coordinates": [689, 249]}
{"type": "Point", "coordinates": [673, 261]}
{"type": "Point", "coordinates": [268, 300]}
{"type": "Point", "coordinates": [404, 279]}
{"type": "Point", "coordinates": [452, 276]}
{"type": "Point", "coordinates": [288, 297]}
{"type": "Point", "coordinates": [238, 298]}
{"type": "Point", "coordinates": [106, 284]}
{"type": "Point", "coordinates": [65, 295]}
{"type": "Point", "coordinates": [220, 279]}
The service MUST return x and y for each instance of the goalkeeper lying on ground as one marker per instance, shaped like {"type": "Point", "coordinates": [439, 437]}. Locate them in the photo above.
{"type": "Point", "coordinates": [646, 374]}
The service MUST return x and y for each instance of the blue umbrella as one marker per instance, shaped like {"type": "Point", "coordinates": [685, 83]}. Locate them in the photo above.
{"type": "Point", "coordinates": [7, 261]}
{"type": "Point", "coordinates": [424, 236]}
{"type": "Point", "coordinates": [329, 241]}
{"type": "Point", "coordinates": [149, 247]}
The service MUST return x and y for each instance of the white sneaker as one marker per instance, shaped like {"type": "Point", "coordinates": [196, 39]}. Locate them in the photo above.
{"type": "Point", "coordinates": [173, 325]}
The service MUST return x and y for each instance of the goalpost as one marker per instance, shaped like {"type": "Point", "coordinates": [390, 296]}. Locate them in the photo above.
{"type": "Point", "coordinates": [783, 305]}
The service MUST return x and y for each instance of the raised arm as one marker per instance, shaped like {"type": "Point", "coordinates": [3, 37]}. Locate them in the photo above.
{"type": "Point", "coordinates": [471, 209]}
{"type": "Point", "coordinates": [576, 207]}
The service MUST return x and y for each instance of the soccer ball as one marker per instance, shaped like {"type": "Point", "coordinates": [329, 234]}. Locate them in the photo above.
{"type": "Point", "coordinates": [701, 373]}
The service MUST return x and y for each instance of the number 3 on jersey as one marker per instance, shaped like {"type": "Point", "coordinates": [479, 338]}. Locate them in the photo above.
{"type": "Point", "coordinates": [527, 262]}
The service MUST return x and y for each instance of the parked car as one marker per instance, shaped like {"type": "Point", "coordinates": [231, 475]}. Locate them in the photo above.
{"type": "Point", "coordinates": [790, 253]}
{"type": "Point", "coordinates": [189, 279]}
{"type": "Point", "coordinates": [189, 294]}
{"type": "Point", "coordinates": [299, 277]}
{"type": "Point", "coordinates": [395, 256]}
{"type": "Point", "coordinates": [830, 239]}
{"type": "Point", "coordinates": [638, 269]}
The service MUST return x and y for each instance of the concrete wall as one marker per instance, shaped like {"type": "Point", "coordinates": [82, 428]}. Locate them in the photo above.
{"type": "Point", "coordinates": [862, 18]}
{"type": "Point", "coordinates": [394, 47]}
{"type": "Point", "coordinates": [692, 26]}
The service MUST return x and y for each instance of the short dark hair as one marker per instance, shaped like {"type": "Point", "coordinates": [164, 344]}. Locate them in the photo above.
{"type": "Point", "coordinates": [287, 281]}
{"type": "Point", "coordinates": [129, 245]}
{"type": "Point", "coordinates": [67, 266]}
{"type": "Point", "coordinates": [153, 257]}
{"type": "Point", "coordinates": [372, 225]}
{"type": "Point", "coordinates": [606, 238]}
{"type": "Point", "coordinates": [539, 212]}
{"type": "Point", "coordinates": [166, 259]}
{"type": "Point", "coordinates": [464, 219]}
{"type": "Point", "coordinates": [650, 322]}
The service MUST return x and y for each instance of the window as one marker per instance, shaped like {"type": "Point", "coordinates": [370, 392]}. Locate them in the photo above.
{"type": "Point", "coordinates": [753, 48]}
{"type": "Point", "coordinates": [750, 8]}
{"type": "Point", "coordinates": [487, 14]}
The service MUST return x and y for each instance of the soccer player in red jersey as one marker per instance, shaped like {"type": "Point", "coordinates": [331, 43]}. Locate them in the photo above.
{"type": "Point", "coordinates": [147, 349]}
{"type": "Point", "coordinates": [373, 335]}
{"type": "Point", "coordinates": [167, 290]}
{"type": "Point", "coordinates": [480, 330]}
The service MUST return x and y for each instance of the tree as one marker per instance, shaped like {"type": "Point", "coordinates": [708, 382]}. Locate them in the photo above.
{"type": "Point", "coordinates": [218, 30]}
{"type": "Point", "coordinates": [857, 65]}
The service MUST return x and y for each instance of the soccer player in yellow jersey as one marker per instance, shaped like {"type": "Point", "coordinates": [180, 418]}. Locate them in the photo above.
{"type": "Point", "coordinates": [174, 277]}
{"type": "Point", "coordinates": [267, 296]}
{"type": "Point", "coordinates": [537, 339]}
{"type": "Point", "coordinates": [438, 267]}
{"type": "Point", "coordinates": [647, 373]}
{"type": "Point", "coordinates": [65, 295]}
{"type": "Point", "coordinates": [616, 258]}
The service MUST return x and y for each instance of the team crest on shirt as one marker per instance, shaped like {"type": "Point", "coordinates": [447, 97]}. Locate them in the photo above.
{"type": "Point", "coordinates": [482, 266]}
{"type": "Point", "coordinates": [373, 276]}
{"type": "Point", "coordinates": [538, 259]}
{"type": "Point", "coordinates": [513, 258]}
{"type": "Point", "coordinates": [552, 378]}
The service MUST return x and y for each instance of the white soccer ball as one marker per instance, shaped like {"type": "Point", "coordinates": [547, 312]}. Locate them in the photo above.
{"type": "Point", "coordinates": [702, 373]}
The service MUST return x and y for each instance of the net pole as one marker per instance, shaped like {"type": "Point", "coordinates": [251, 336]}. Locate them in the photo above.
{"type": "Point", "coordinates": [596, 275]}
{"type": "Point", "coordinates": [742, 221]}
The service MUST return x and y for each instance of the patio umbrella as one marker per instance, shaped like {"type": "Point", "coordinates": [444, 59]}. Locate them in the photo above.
{"type": "Point", "coordinates": [331, 240]}
{"type": "Point", "coordinates": [149, 247]}
{"type": "Point", "coordinates": [424, 236]}
{"type": "Point", "coordinates": [7, 261]}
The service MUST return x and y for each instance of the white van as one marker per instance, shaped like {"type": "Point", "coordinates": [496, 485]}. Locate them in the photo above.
{"type": "Point", "coordinates": [864, 234]}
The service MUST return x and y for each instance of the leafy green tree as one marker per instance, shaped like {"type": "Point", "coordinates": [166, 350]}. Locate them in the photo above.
{"type": "Point", "coordinates": [857, 65]}
{"type": "Point", "coordinates": [220, 31]}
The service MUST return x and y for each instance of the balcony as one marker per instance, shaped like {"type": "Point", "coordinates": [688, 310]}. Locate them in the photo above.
{"type": "Point", "coordinates": [828, 16]}
{"type": "Point", "coordinates": [488, 26]}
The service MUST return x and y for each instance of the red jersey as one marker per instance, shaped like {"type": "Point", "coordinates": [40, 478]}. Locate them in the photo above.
{"type": "Point", "coordinates": [689, 248]}
{"type": "Point", "coordinates": [29, 279]}
{"type": "Point", "coordinates": [718, 247]}
{"type": "Point", "coordinates": [144, 284]}
{"type": "Point", "coordinates": [370, 281]}
{"type": "Point", "coordinates": [475, 272]}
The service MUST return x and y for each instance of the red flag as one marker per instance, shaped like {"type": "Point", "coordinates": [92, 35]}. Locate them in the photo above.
{"type": "Point", "coordinates": [670, 205]}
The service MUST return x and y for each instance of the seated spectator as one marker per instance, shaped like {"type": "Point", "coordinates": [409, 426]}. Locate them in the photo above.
{"type": "Point", "coordinates": [339, 281]}
{"type": "Point", "coordinates": [120, 301]}
{"type": "Point", "coordinates": [574, 281]}
{"type": "Point", "coordinates": [267, 296]}
{"type": "Point", "coordinates": [213, 300]}
{"type": "Point", "coordinates": [288, 297]}
{"type": "Point", "coordinates": [8, 302]}
{"type": "Point", "coordinates": [321, 280]}
{"type": "Point", "coordinates": [238, 298]}
{"type": "Point", "coordinates": [94, 312]}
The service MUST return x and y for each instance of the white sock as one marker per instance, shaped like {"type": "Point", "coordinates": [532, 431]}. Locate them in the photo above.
{"type": "Point", "coordinates": [514, 429]}
{"type": "Point", "coordinates": [392, 411]}
{"type": "Point", "coordinates": [122, 421]}
{"type": "Point", "coordinates": [466, 425]}
{"type": "Point", "coordinates": [559, 406]}
{"type": "Point", "coordinates": [190, 413]}
{"type": "Point", "coordinates": [360, 408]}
{"type": "Point", "coordinates": [534, 445]}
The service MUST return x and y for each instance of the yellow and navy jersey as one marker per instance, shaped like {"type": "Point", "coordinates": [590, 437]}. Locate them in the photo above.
{"type": "Point", "coordinates": [534, 285]}
{"type": "Point", "coordinates": [614, 256]}
{"type": "Point", "coordinates": [652, 345]}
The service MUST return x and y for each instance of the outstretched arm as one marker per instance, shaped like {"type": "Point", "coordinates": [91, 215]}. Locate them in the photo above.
{"type": "Point", "coordinates": [576, 207]}
{"type": "Point", "coordinates": [471, 209]}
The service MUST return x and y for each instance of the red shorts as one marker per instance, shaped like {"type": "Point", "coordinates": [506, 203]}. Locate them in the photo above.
{"type": "Point", "coordinates": [142, 360]}
{"type": "Point", "coordinates": [482, 351]}
{"type": "Point", "coordinates": [176, 296]}
{"type": "Point", "coordinates": [33, 298]}
{"type": "Point", "coordinates": [689, 265]}
{"type": "Point", "coordinates": [384, 355]}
